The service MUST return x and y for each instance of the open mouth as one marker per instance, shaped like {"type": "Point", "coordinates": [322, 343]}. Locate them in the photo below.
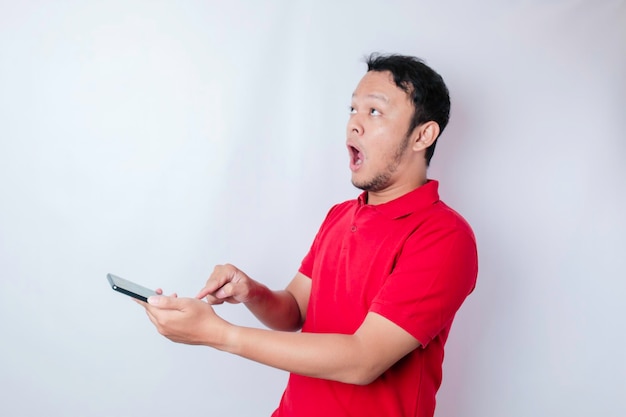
{"type": "Point", "coordinates": [356, 156]}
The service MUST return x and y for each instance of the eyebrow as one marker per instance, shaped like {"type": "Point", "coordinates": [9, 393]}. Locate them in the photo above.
{"type": "Point", "coordinates": [375, 96]}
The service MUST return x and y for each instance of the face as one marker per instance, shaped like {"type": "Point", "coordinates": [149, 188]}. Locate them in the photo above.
{"type": "Point", "coordinates": [377, 133]}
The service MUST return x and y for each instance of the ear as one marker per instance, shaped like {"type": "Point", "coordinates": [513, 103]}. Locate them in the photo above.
{"type": "Point", "coordinates": [425, 135]}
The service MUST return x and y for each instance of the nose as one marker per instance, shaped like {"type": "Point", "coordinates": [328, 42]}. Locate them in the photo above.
{"type": "Point", "coordinates": [355, 127]}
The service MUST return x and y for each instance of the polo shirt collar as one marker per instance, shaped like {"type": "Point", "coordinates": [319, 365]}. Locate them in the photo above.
{"type": "Point", "coordinates": [410, 202]}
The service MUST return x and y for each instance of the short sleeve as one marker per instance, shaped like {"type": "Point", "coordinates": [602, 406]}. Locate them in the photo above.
{"type": "Point", "coordinates": [434, 273]}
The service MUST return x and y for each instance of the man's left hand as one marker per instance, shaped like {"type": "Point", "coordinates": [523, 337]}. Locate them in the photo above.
{"type": "Point", "coordinates": [186, 320]}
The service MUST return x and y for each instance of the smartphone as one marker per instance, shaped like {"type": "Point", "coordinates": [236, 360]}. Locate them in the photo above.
{"type": "Point", "coordinates": [130, 288]}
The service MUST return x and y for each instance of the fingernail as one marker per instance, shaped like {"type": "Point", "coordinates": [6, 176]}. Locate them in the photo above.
{"type": "Point", "coordinates": [154, 300]}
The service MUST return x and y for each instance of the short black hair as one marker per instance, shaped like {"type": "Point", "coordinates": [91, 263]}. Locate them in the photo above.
{"type": "Point", "coordinates": [425, 87]}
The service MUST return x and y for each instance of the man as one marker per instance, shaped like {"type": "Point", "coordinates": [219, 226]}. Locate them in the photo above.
{"type": "Point", "coordinates": [376, 294]}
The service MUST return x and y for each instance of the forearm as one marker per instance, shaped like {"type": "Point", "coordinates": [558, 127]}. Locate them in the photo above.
{"type": "Point", "coordinates": [336, 357]}
{"type": "Point", "coordinates": [357, 358]}
{"type": "Point", "coordinates": [277, 310]}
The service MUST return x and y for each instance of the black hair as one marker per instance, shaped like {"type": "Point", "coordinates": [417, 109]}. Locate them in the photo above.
{"type": "Point", "coordinates": [425, 87]}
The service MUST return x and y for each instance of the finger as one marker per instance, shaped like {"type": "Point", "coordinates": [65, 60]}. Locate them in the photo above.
{"type": "Point", "coordinates": [151, 316]}
{"type": "Point", "coordinates": [164, 302]}
{"type": "Point", "coordinates": [212, 296]}
{"type": "Point", "coordinates": [221, 275]}
{"type": "Point", "coordinates": [149, 311]}
{"type": "Point", "coordinates": [213, 300]}
{"type": "Point", "coordinates": [159, 291]}
{"type": "Point", "coordinates": [233, 292]}
{"type": "Point", "coordinates": [212, 285]}
{"type": "Point", "coordinates": [210, 290]}
{"type": "Point", "coordinates": [203, 293]}
{"type": "Point", "coordinates": [225, 291]}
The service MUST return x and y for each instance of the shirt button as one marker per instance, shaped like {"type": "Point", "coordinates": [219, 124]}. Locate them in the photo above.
{"type": "Point", "coordinates": [353, 228]}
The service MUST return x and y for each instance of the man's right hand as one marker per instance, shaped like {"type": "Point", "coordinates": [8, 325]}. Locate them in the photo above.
{"type": "Point", "coordinates": [279, 310]}
{"type": "Point", "coordinates": [227, 283]}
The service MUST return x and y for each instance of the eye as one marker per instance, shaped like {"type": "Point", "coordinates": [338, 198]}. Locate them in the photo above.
{"type": "Point", "coordinates": [352, 110]}
{"type": "Point", "coordinates": [375, 112]}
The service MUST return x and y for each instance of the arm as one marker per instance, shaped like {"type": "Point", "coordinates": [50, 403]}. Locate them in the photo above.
{"type": "Point", "coordinates": [283, 310]}
{"type": "Point", "coordinates": [358, 358]}
{"type": "Point", "coordinates": [279, 310]}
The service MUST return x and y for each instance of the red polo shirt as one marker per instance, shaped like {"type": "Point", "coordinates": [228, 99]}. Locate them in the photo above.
{"type": "Point", "coordinates": [412, 260]}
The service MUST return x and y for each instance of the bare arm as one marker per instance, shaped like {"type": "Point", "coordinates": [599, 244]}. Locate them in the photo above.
{"type": "Point", "coordinates": [358, 358]}
{"type": "Point", "coordinates": [279, 310]}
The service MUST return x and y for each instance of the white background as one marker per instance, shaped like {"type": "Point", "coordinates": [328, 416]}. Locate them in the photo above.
{"type": "Point", "coordinates": [155, 139]}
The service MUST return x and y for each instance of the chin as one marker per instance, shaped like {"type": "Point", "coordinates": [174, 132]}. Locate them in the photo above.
{"type": "Point", "coordinates": [358, 182]}
{"type": "Point", "coordinates": [362, 185]}
{"type": "Point", "coordinates": [377, 183]}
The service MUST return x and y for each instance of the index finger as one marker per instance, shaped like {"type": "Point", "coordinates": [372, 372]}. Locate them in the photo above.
{"type": "Point", "coordinates": [204, 292]}
{"type": "Point", "coordinates": [213, 300]}
{"type": "Point", "coordinates": [221, 275]}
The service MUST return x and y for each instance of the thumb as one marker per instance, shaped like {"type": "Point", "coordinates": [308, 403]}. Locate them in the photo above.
{"type": "Point", "coordinates": [164, 302]}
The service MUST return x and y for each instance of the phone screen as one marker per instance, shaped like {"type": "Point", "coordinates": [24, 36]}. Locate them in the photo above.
{"type": "Point", "coordinates": [130, 288]}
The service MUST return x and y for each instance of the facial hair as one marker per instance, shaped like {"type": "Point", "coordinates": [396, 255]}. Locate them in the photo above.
{"type": "Point", "coordinates": [381, 180]}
